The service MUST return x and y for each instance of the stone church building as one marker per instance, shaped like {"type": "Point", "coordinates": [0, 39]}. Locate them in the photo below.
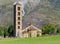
{"type": "Point", "coordinates": [30, 31]}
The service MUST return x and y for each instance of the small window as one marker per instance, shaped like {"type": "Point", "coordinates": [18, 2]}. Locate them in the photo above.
{"type": "Point", "coordinates": [18, 13]}
{"type": "Point", "coordinates": [18, 18]}
{"type": "Point", "coordinates": [18, 27]}
{"type": "Point", "coordinates": [18, 8]}
{"type": "Point", "coordinates": [19, 23]}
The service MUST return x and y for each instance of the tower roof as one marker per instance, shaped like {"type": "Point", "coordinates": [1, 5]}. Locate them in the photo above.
{"type": "Point", "coordinates": [18, 2]}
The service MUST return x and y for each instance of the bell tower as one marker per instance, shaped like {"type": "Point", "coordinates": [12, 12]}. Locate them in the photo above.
{"type": "Point", "coordinates": [18, 13]}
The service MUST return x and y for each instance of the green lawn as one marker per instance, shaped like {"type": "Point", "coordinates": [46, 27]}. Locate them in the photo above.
{"type": "Point", "coordinates": [38, 40]}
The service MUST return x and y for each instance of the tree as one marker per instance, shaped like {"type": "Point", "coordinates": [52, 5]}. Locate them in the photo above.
{"type": "Point", "coordinates": [49, 29]}
{"type": "Point", "coordinates": [11, 30]}
{"type": "Point", "coordinates": [5, 32]}
{"type": "Point", "coordinates": [58, 29]}
{"type": "Point", "coordinates": [1, 31]}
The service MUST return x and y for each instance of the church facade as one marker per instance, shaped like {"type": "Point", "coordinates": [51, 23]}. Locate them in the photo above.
{"type": "Point", "coordinates": [30, 31]}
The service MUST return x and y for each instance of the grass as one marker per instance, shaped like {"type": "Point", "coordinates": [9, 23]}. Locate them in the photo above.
{"type": "Point", "coordinates": [38, 40]}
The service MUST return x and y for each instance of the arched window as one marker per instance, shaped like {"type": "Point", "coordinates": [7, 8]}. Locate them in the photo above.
{"type": "Point", "coordinates": [18, 18]}
{"type": "Point", "coordinates": [18, 23]}
{"type": "Point", "coordinates": [18, 13]}
{"type": "Point", "coordinates": [18, 27]}
{"type": "Point", "coordinates": [19, 8]}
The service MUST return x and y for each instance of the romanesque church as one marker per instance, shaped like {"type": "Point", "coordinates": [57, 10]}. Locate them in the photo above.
{"type": "Point", "coordinates": [29, 31]}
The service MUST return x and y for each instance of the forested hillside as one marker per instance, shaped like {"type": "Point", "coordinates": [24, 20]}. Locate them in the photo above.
{"type": "Point", "coordinates": [37, 12]}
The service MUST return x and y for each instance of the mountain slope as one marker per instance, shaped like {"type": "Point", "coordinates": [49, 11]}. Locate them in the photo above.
{"type": "Point", "coordinates": [36, 12]}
